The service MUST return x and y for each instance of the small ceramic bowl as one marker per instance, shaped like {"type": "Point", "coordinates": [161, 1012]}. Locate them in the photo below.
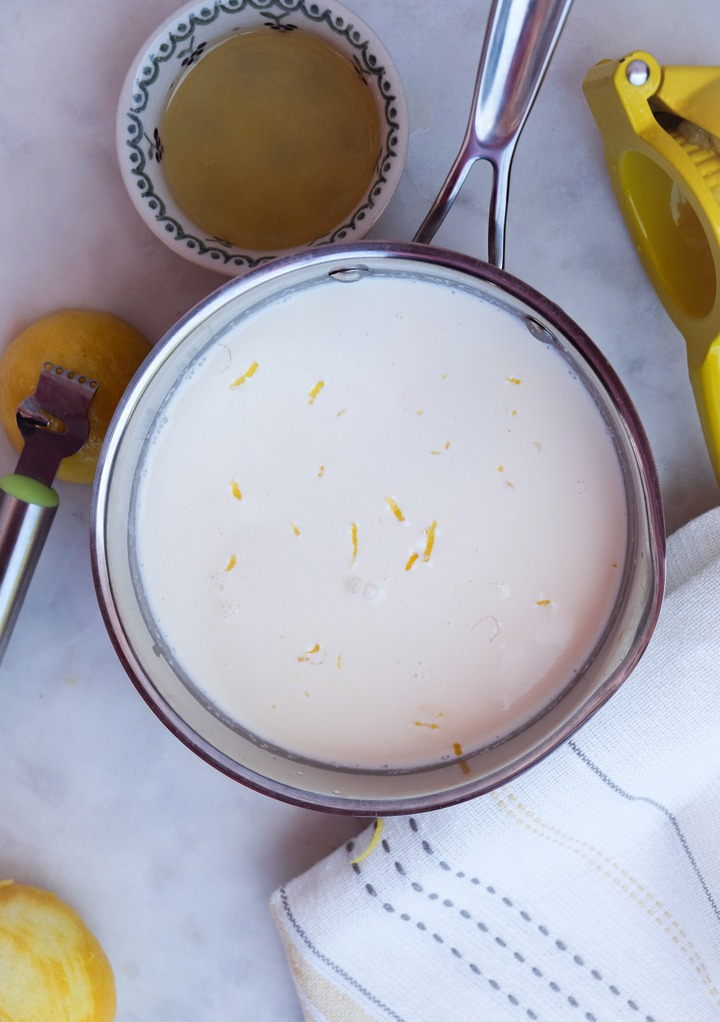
{"type": "Point", "coordinates": [183, 40]}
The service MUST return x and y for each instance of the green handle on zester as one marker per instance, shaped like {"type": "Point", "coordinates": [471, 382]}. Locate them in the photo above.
{"type": "Point", "coordinates": [27, 509]}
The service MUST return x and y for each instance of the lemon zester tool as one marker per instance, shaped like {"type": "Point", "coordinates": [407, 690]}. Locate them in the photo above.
{"type": "Point", "coordinates": [54, 424]}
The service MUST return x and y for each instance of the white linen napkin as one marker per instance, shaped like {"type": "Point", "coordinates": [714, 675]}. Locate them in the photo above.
{"type": "Point", "coordinates": [588, 889]}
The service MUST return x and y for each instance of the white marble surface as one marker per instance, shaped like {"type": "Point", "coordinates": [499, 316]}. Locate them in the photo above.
{"type": "Point", "coordinates": [170, 862]}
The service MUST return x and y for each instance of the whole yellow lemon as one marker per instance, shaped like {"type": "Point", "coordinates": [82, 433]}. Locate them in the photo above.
{"type": "Point", "coordinates": [98, 345]}
{"type": "Point", "coordinates": [52, 968]}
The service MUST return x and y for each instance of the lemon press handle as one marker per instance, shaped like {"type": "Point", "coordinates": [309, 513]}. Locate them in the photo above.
{"type": "Point", "coordinates": [519, 42]}
{"type": "Point", "coordinates": [27, 509]}
{"type": "Point", "coordinates": [660, 127]}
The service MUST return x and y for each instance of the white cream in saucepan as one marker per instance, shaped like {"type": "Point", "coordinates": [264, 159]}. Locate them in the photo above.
{"type": "Point", "coordinates": [381, 523]}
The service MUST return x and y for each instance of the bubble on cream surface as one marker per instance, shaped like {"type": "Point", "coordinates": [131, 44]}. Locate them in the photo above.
{"type": "Point", "coordinates": [441, 579]}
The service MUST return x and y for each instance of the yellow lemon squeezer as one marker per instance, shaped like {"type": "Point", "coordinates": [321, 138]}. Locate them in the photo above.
{"type": "Point", "coordinates": [661, 131]}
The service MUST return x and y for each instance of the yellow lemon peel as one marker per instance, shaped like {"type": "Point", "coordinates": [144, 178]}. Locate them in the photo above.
{"type": "Point", "coordinates": [53, 966]}
{"type": "Point", "coordinates": [249, 372]}
{"type": "Point", "coordinates": [395, 509]}
{"type": "Point", "coordinates": [430, 533]}
{"type": "Point", "coordinates": [373, 844]}
{"type": "Point", "coordinates": [98, 344]}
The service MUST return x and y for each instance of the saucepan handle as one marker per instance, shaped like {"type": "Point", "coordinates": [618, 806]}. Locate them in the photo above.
{"type": "Point", "coordinates": [519, 42]}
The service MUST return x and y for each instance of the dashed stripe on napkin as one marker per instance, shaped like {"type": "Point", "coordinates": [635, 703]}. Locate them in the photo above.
{"type": "Point", "coordinates": [460, 956]}
{"type": "Point", "coordinates": [498, 940]}
{"type": "Point", "coordinates": [618, 876]}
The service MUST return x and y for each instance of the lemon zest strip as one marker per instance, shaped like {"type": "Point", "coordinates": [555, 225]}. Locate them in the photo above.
{"type": "Point", "coordinates": [245, 376]}
{"type": "Point", "coordinates": [395, 509]}
{"type": "Point", "coordinates": [373, 844]}
{"type": "Point", "coordinates": [430, 533]}
{"type": "Point", "coordinates": [457, 749]}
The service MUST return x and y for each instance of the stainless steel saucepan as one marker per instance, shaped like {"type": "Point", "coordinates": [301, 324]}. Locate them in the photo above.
{"type": "Point", "coordinates": [518, 45]}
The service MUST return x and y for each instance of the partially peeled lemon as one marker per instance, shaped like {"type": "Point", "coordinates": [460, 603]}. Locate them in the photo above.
{"type": "Point", "coordinates": [99, 345]}
{"type": "Point", "coordinates": [52, 968]}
